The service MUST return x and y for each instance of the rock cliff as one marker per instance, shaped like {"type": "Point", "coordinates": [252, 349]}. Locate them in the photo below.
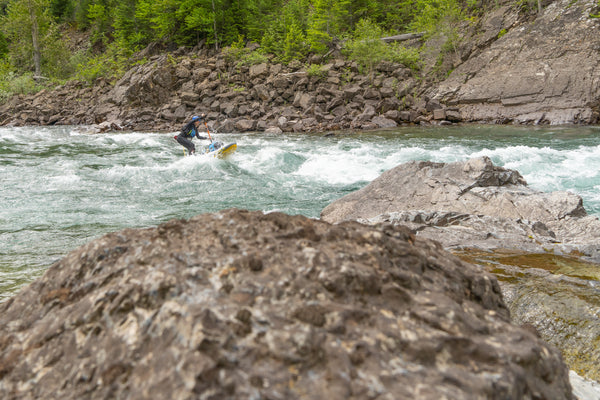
{"type": "Point", "coordinates": [540, 71]}
{"type": "Point", "coordinates": [244, 305]}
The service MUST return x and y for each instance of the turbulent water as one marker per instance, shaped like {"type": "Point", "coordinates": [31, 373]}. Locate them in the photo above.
{"type": "Point", "coordinates": [61, 187]}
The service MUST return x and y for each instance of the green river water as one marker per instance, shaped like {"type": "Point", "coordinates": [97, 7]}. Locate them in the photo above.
{"type": "Point", "coordinates": [61, 187]}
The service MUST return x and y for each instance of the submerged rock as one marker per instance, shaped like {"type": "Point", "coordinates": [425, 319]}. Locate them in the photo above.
{"type": "Point", "coordinates": [244, 305]}
{"type": "Point", "coordinates": [557, 295]}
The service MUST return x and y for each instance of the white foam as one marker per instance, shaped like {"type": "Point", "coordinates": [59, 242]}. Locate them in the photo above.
{"type": "Point", "coordinates": [63, 181]}
{"type": "Point", "coordinates": [342, 167]}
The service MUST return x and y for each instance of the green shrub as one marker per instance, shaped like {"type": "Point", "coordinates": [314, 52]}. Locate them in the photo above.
{"type": "Point", "coordinates": [235, 51]}
{"type": "Point", "coordinates": [12, 84]}
{"type": "Point", "coordinates": [111, 64]}
{"type": "Point", "coordinates": [3, 46]}
{"type": "Point", "coordinates": [316, 70]}
{"type": "Point", "coordinates": [238, 54]}
{"type": "Point", "coordinates": [367, 48]}
{"type": "Point", "coordinates": [295, 45]}
{"type": "Point", "coordinates": [409, 57]}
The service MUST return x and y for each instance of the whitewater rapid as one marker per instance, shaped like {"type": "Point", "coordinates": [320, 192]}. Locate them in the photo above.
{"type": "Point", "coordinates": [62, 186]}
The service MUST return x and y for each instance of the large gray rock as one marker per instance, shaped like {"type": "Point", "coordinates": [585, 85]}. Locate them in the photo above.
{"type": "Point", "coordinates": [473, 204]}
{"type": "Point", "coordinates": [543, 70]}
{"type": "Point", "coordinates": [244, 305]}
{"type": "Point", "coordinates": [147, 84]}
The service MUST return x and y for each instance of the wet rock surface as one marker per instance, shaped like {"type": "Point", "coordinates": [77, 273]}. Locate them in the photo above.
{"type": "Point", "coordinates": [557, 295]}
{"type": "Point", "coordinates": [244, 305]}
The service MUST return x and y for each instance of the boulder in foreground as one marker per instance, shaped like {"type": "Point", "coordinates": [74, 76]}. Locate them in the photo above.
{"type": "Point", "coordinates": [244, 305]}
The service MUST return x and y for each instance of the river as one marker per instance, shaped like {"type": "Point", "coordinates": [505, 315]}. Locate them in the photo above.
{"type": "Point", "coordinates": [62, 187]}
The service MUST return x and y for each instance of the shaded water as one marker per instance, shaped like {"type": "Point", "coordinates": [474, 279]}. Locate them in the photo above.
{"type": "Point", "coordinates": [61, 187]}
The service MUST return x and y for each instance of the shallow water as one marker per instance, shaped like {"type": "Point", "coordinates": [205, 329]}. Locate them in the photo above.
{"type": "Point", "coordinates": [62, 187]}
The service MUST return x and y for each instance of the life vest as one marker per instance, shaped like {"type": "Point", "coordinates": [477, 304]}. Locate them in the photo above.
{"type": "Point", "coordinates": [189, 131]}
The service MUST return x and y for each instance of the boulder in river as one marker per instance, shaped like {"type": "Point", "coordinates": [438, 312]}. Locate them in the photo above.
{"type": "Point", "coordinates": [473, 204]}
{"type": "Point", "coordinates": [243, 305]}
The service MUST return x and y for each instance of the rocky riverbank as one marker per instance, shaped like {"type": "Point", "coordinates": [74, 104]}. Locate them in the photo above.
{"type": "Point", "coordinates": [511, 67]}
{"type": "Point", "coordinates": [163, 93]}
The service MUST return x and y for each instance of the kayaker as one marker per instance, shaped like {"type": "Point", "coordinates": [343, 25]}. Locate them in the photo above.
{"type": "Point", "coordinates": [190, 131]}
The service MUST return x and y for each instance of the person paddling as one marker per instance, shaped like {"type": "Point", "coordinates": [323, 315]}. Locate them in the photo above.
{"type": "Point", "coordinates": [190, 131]}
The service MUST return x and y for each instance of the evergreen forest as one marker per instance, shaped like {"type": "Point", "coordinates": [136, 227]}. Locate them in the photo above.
{"type": "Point", "coordinates": [46, 42]}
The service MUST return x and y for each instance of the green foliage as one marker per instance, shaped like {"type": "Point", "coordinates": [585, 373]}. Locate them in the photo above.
{"type": "Point", "coordinates": [433, 16]}
{"type": "Point", "coordinates": [295, 45]}
{"type": "Point", "coordinates": [286, 29]}
{"type": "Point", "coordinates": [329, 18]}
{"type": "Point", "coordinates": [286, 36]}
{"type": "Point", "coordinates": [236, 51]}
{"type": "Point", "coordinates": [409, 57]}
{"type": "Point", "coordinates": [56, 60]}
{"type": "Point", "coordinates": [316, 70]}
{"type": "Point", "coordinates": [501, 33]}
{"type": "Point", "coordinates": [89, 69]}
{"type": "Point", "coordinates": [239, 54]}
{"type": "Point", "coordinates": [17, 27]}
{"type": "Point", "coordinates": [255, 57]}
{"type": "Point", "coordinates": [3, 46]}
{"type": "Point", "coordinates": [443, 19]}
{"type": "Point", "coordinates": [11, 83]}
{"type": "Point", "coordinates": [367, 48]}
{"type": "Point", "coordinates": [99, 17]}
{"type": "Point", "coordinates": [110, 64]}
{"type": "Point", "coordinates": [62, 10]}
{"type": "Point", "coordinates": [594, 13]}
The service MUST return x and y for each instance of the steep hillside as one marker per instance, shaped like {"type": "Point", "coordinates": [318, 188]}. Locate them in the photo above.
{"type": "Point", "coordinates": [513, 66]}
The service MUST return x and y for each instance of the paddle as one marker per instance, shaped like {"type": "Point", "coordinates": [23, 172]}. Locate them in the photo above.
{"type": "Point", "coordinates": [207, 131]}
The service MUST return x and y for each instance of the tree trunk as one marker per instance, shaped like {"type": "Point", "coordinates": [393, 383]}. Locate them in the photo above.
{"type": "Point", "coordinates": [215, 25]}
{"type": "Point", "coordinates": [34, 38]}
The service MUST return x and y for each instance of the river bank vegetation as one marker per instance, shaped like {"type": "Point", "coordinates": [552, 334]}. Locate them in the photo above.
{"type": "Point", "coordinates": [44, 43]}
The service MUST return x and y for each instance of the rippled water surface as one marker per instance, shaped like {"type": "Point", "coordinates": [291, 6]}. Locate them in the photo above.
{"type": "Point", "coordinates": [62, 187]}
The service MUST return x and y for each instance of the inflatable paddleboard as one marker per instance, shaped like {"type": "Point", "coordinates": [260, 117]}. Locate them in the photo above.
{"type": "Point", "coordinates": [218, 150]}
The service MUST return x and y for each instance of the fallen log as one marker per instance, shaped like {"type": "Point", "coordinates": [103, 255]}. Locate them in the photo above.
{"type": "Point", "coordinates": [403, 37]}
